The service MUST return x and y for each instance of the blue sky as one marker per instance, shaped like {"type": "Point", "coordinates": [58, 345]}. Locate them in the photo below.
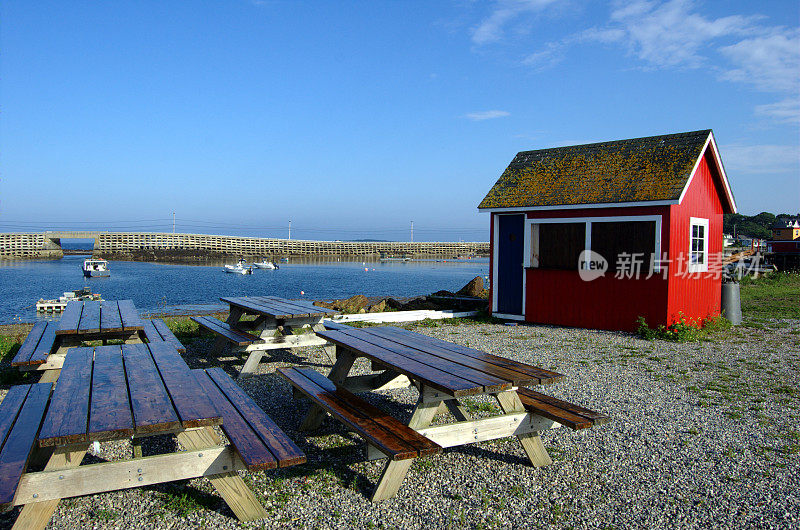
{"type": "Point", "coordinates": [351, 119]}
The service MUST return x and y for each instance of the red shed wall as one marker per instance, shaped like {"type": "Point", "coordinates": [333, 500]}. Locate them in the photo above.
{"type": "Point", "coordinates": [562, 298]}
{"type": "Point", "coordinates": [696, 295]}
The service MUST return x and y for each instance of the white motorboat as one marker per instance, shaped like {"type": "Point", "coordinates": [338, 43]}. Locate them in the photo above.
{"type": "Point", "coordinates": [58, 305]}
{"type": "Point", "coordinates": [93, 268]}
{"type": "Point", "coordinates": [240, 268]}
{"type": "Point", "coordinates": [265, 265]}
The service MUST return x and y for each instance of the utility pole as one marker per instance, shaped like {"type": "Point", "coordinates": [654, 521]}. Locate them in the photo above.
{"type": "Point", "coordinates": [412, 231]}
{"type": "Point", "coordinates": [173, 222]}
{"type": "Point", "coordinates": [290, 229]}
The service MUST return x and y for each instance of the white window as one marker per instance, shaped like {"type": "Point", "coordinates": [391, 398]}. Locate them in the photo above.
{"type": "Point", "coordinates": [698, 245]}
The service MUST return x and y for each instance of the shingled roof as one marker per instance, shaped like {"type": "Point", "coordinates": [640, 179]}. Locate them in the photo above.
{"type": "Point", "coordinates": [655, 168]}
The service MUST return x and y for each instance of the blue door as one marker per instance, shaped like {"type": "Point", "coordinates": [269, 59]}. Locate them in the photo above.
{"type": "Point", "coordinates": [510, 246]}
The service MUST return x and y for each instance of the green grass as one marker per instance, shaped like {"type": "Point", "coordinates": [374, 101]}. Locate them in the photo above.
{"type": "Point", "coordinates": [774, 295]}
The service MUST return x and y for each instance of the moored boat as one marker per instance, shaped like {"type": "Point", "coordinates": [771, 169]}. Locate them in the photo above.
{"type": "Point", "coordinates": [240, 268]}
{"type": "Point", "coordinates": [56, 306]}
{"type": "Point", "coordinates": [265, 265]}
{"type": "Point", "coordinates": [94, 268]}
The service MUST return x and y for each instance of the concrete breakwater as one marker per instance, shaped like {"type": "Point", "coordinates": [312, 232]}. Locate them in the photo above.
{"type": "Point", "coordinates": [150, 246]}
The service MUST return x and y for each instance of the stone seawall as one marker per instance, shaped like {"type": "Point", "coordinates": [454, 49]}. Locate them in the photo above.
{"type": "Point", "coordinates": [198, 247]}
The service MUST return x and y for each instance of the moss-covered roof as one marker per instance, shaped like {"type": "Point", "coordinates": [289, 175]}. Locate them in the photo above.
{"type": "Point", "coordinates": [655, 168]}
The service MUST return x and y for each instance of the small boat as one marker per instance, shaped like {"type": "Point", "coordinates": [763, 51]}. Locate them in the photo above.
{"type": "Point", "coordinates": [94, 268]}
{"type": "Point", "coordinates": [265, 265]}
{"type": "Point", "coordinates": [284, 260]}
{"type": "Point", "coordinates": [56, 306]}
{"type": "Point", "coordinates": [240, 268]}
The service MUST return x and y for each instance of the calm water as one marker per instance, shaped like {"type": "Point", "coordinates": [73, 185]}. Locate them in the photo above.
{"type": "Point", "coordinates": [185, 288]}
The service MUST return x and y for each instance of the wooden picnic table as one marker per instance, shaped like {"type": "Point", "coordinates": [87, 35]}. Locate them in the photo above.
{"type": "Point", "coordinates": [80, 322]}
{"type": "Point", "coordinates": [445, 374]}
{"type": "Point", "coordinates": [129, 392]}
{"type": "Point", "coordinates": [278, 323]}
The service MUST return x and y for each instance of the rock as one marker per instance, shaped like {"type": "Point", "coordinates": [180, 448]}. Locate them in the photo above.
{"type": "Point", "coordinates": [326, 305]}
{"type": "Point", "coordinates": [391, 303]}
{"type": "Point", "coordinates": [379, 307]}
{"type": "Point", "coordinates": [443, 293]}
{"type": "Point", "coordinates": [474, 288]}
{"type": "Point", "coordinates": [354, 304]}
{"type": "Point", "coordinates": [419, 303]}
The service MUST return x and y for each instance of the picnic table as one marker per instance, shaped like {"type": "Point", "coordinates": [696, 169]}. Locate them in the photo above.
{"type": "Point", "coordinates": [445, 374]}
{"type": "Point", "coordinates": [129, 392]}
{"type": "Point", "coordinates": [278, 323]}
{"type": "Point", "coordinates": [82, 321]}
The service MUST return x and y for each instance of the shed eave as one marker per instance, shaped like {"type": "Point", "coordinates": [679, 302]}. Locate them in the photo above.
{"type": "Point", "coordinates": [579, 206]}
{"type": "Point", "coordinates": [710, 141]}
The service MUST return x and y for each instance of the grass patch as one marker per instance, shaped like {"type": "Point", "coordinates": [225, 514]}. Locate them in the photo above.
{"type": "Point", "coordinates": [774, 295]}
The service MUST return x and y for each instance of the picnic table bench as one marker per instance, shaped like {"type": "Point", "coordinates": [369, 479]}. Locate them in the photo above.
{"type": "Point", "coordinates": [278, 323]}
{"type": "Point", "coordinates": [132, 391]}
{"type": "Point", "coordinates": [47, 343]}
{"type": "Point", "coordinates": [445, 374]}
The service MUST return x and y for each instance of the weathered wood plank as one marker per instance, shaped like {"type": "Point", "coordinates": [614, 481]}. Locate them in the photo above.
{"type": "Point", "coordinates": [414, 369]}
{"type": "Point", "coordinates": [434, 347]}
{"type": "Point", "coordinates": [131, 321]}
{"type": "Point", "coordinates": [90, 319]}
{"type": "Point", "coordinates": [420, 443]}
{"type": "Point", "coordinates": [70, 318]}
{"type": "Point", "coordinates": [248, 445]}
{"type": "Point", "coordinates": [563, 412]}
{"type": "Point", "coordinates": [45, 347]}
{"type": "Point", "coordinates": [280, 445]}
{"type": "Point", "coordinates": [68, 414]}
{"type": "Point", "coordinates": [194, 408]}
{"type": "Point", "coordinates": [545, 376]}
{"type": "Point", "coordinates": [17, 449]}
{"type": "Point", "coordinates": [237, 337]}
{"type": "Point", "coordinates": [489, 382]}
{"type": "Point", "coordinates": [150, 402]}
{"type": "Point", "coordinates": [343, 411]}
{"type": "Point", "coordinates": [109, 407]}
{"type": "Point", "coordinates": [22, 358]}
{"type": "Point", "coordinates": [167, 335]}
{"type": "Point", "coordinates": [110, 319]}
{"type": "Point", "coordinates": [9, 409]}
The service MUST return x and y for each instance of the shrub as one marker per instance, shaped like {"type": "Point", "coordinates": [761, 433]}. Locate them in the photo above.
{"type": "Point", "coordinates": [683, 330]}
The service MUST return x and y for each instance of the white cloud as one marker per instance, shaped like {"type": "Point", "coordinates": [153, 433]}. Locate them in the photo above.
{"type": "Point", "coordinates": [486, 115]}
{"type": "Point", "coordinates": [760, 159]}
{"type": "Point", "coordinates": [672, 34]}
{"type": "Point", "coordinates": [768, 62]}
{"type": "Point", "coordinates": [785, 111]}
{"type": "Point", "coordinates": [491, 28]}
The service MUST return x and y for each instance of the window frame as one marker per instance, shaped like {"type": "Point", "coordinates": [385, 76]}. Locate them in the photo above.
{"type": "Point", "coordinates": [692, 266]}
{"type": "Point", "coordinates": [531, 232]}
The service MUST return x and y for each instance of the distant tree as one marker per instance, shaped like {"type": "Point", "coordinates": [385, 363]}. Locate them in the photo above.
{"type": "Point", "coordinates": [758, 226]}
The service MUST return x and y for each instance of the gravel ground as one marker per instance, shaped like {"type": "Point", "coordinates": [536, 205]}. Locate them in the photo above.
{"type": "Point", "coordinates": [702, 434]}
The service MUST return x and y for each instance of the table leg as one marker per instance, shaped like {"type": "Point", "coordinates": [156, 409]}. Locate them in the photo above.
{"type": "Point", "coordinates": [38, 514]}
{"type": "Point", "coordinates": [344, 362]}
{"type": "Point", "coordinates": [395, 471]}
{"type": "Point", "coordinates": [251, 363]}
{"type": "Point", "coordinates": [455, 408]}
{"type": "Point", "coordinates": [531, 442]}
{"type": "Point", "coordinates": [230, 485]}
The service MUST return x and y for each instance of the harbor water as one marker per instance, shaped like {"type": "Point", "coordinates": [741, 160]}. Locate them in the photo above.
{"type": "Point", "coordinates": [158, 288]}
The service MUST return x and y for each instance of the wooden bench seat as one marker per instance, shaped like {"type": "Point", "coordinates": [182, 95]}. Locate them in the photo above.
{"type": "Point", "coordinates": [157, 330]}
{"type": "Point", "coordinates": [258, 441]}
{"type": "Point", "coordinates": [562, 412]}
{"type": "Point", "coordinates": [225, 331]}
{"type": "Point", "coordinates": [21, 414]}
{"type": "Point", "coordinates": [330, 324]}
{"type": "Point", "coordinates": [388, 435]}
{"type": "Point", "coordinates": [37, 346]}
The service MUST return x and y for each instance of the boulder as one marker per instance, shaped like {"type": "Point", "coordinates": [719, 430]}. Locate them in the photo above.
{"type": "Point", "coordinates": [474, 288]}
{"type": "Point", "coordinates": [378, 308]}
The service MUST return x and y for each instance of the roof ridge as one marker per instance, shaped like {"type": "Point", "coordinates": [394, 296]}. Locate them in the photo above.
{"type": "Point", "coordinates": [706, 132]}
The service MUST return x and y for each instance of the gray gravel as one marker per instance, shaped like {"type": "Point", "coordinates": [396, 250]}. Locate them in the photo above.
{"type": "Point", "coordinates": [702, 434]}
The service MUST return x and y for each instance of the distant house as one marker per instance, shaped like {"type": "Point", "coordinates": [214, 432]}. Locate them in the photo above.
{"type": "Point", "coordinates": [650, 208]}
{"type": "Point", "coordinates": [785, 243]}
{"type": "Point", "coordinates": [786, 229]}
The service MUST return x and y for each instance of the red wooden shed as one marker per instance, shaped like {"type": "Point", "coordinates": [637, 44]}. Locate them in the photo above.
{"type": "Point", "coordinates": [597, 235]}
